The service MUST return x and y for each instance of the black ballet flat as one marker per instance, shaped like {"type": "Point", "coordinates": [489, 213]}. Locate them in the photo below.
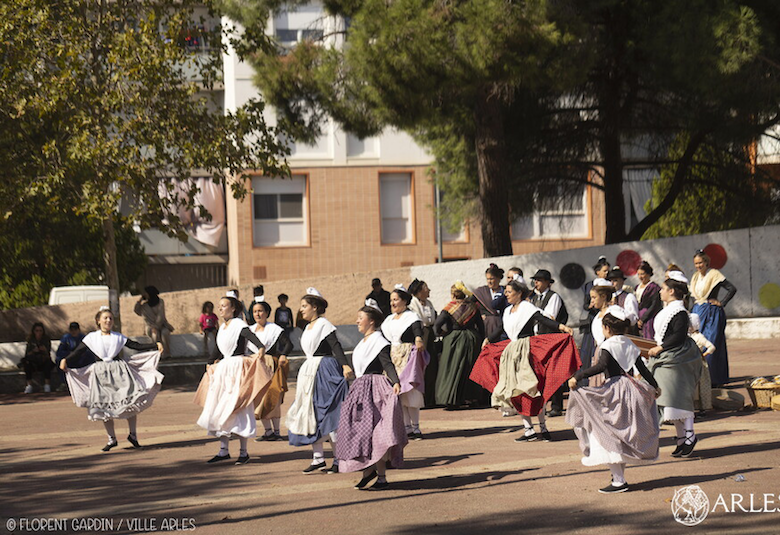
{"type": "Point", "coordinates": [109, 446]}
{"type": "Point", "coordinates": [218, 458]}
{"type": "Point", "coordinates": [380, 485]}
{"type": "Point", "coordinates": [366, 480]}
{"type": "Point", "coordinates": [134, 441]}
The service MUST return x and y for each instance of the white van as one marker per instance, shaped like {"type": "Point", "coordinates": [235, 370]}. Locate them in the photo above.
{"type": "Point", "coordinates": [78, 294]}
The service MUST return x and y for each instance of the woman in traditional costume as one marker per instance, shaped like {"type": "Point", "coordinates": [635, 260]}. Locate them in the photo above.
{"type": "Point", "coordinates": [423, 307]}
{"type": "Point", "coordinates": [507, 367]}
{"type": "Point", "coordinates": [600, 296]}
{"type": "Point", "coordinates": [676, 363]}
{"type": "Point", "coordinates": [649, 300]}
{"type": "Point", "coordinates": [114, 387]}
{"type": "Point", "coordinates": [616, 423]}
{"type": "Point", "coordinates": [491, 299]}
{"type": "Point", "coordinates": [706, 284]}
{"type": "Point", "coordinates": [403, 328]}
{"type": "Point", "coordinates": [277, 346]}
{"type": "Point", "coordinates": [233, 386]}
{"type": "Point", "coordinates": [322, 386]}
{"type": "Point", "coordinates": [461, 326]}
{"type": "Point", "coordinates": [371, 426]}
{"type": "Point", "coordinates": [588, 344]}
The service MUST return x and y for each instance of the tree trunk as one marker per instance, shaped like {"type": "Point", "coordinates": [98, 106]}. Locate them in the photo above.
{"type": "Point", "coordinates": [112, 272]}
{"type": "Point", "coordinates": [614, 206]}
{"type": "Point", "coordinates": [492, 170]}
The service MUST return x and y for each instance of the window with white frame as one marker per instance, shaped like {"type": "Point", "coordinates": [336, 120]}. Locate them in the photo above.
{"type": "Point", "coordinates": [560, 216]}
{"type": "Point", "coordinates": [279, 211]}
{"type": "Point", "coordinates": [395, 196]}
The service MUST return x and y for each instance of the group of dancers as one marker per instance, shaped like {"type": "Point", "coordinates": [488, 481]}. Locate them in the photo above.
{"type": "Point", "coordinates": [505, 342]}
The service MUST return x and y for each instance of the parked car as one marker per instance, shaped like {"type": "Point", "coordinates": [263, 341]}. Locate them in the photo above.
{"type": "Point", "coordinates": [78, 294]}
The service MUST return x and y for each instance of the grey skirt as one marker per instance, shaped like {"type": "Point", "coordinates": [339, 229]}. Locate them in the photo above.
{"type": "Point", "coordinates": [117, 389]}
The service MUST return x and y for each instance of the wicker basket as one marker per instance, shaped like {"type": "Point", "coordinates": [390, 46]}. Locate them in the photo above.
{"type": "Point", "coordinates": [762, 395]}
{"type": "Point", "coordinates": [776, 403]}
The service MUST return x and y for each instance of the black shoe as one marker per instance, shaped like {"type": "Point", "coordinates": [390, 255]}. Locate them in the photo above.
{"type": "Point", "coordinates": [416, 435]}
{"type": "Point", "coordinates": [612, 489]}
{"type": "Point", "coordinates": [134, 441]}
{"type": "Point", "coordinates": [218, 458]}
{"type": "Point", "coordinates": [266, 438]}
{"type": "Point", "coordinates": [110, 445]}
{"type": "Point", "coordinates": [314, 467]}
{"type": "Point", "coordinates": [242, 459]}
{"type": "Point", "coordinates": [334, 469]}
{"type": "Point", "coordinates": [380, 485]}
{"type": "Point", "coordinates": [678, 450]}
{"type": "Point", "coordinates": [366, 480]}
{"type": "Point", "coordinates": [687, 448]}
{"type": "Point", "coordinates": [555, 412]}
{"type": "Point", "coordinates": [527, 438]}
{"type": "Point", "coordinates": [546, 436]}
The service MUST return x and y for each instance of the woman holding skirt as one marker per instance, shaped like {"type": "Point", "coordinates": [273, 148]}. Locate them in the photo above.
{"type": "Point", "coordinates": [403, 328]}
{"type": "Point", "coordinates": [461, 326]}
{"type": "Point", "coordinates": [372, 424]}
{"type": "Point", "coordinates": [322, 386]}
{"type": "Point", "coordinates": [112, 387]}
{"type": "Point", "coordinates": [277, 346]}
{"type": "Point", "coordinates": [676, 363]}
{"type": "Point", "coordinates": [233, 386]}
{"type": "Point", "coordinates": [706, 284]}
{"type": "Point", "coordinates": [616, 423]}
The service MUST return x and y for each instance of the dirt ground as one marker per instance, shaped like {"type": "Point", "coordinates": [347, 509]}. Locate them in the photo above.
{"type": "Point", "coordinates": [466, 476]}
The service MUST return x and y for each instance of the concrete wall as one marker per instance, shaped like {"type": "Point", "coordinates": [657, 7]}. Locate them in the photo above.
{"type": "Point", "coordinates": [750, 264]}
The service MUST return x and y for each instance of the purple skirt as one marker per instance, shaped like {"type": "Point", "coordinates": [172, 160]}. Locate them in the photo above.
{"type": "Point", "coordinates": [371, 425]}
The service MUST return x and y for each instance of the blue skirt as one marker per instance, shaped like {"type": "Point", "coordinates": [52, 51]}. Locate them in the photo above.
{"type": "Point", "coordinates": [713, 327]}
{"type": "Point", "coordinates": [330, 390]}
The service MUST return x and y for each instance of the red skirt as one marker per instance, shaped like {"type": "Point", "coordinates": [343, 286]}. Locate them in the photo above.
{"type": "Point", "coordinates": [554, 359]}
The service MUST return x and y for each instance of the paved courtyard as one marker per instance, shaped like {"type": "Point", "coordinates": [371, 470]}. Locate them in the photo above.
{"type": "Point", "coordinates": [467, 476]}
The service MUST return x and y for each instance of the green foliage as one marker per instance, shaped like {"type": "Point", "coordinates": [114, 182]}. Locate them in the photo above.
{"type": "Point", "coordinates": [45, 245]}
{"type": "Point", "coordinates": [725, 195]}
{"type": "Point", "coordinates": [102, 100]}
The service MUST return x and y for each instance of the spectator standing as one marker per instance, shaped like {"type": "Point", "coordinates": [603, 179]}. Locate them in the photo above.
{"type": "Point", "coordinates": [152, 309]}
{"type": "Point", "coordinates": [208, 322]}
{"type": "Point", "coordinates": [381, 296]}
{"type": "Point", "coordinates": [283, 315]}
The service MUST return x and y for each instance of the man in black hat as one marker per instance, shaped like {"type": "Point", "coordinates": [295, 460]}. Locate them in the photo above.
{"type": "Point", "coordinates": [623, 298]}
{"type": "Point", "coordinates": [553, 307]}
{"type": "Point", "coordinates": [381, 296]}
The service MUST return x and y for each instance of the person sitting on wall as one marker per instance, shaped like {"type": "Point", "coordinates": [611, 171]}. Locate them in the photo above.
{"type": "Point", "coordinates": [70, 341]}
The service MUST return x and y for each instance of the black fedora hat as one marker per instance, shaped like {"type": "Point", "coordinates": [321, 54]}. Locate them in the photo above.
{"type": "Point", "coordinates": [615, 273]}
{"type": "Point", "coordinates": [543, 275]}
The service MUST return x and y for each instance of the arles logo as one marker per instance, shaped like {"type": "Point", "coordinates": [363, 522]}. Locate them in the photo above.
{"type": "Point", "coordinates": [690, 505]}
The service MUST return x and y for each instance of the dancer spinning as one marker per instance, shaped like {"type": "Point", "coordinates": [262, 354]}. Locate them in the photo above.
{"type": "Point", "coordinates": [277, 346]}
{"type": "Point", "coordinates": [112, 387]}
{"type": "Point", "coordinates": [322, 385]}
{"type": "Point", "coordinates": [403, 328]}
{"type": "Point", "coordinates": [617, 423]}
{"type": "Point", "coordinates": [231, 389]}
{"type": "Point", "coordinates": [676, 363]}
{"type": "Point", "coordinates": [371, 424]}
{"type": "Point", "coordinates": [520, 319]}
